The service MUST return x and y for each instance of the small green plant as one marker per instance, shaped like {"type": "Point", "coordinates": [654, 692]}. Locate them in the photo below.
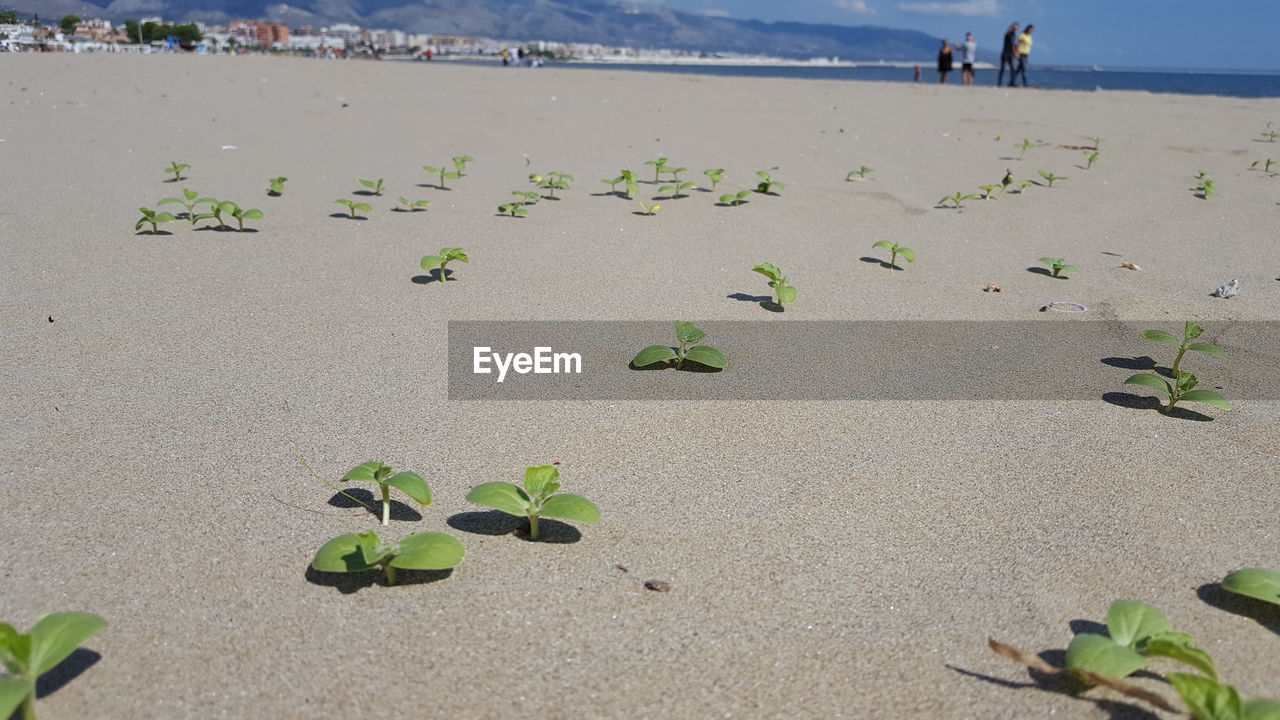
{"type": "Point", "coordinates": [659, 167]}
{"type": "Point", "coordinates": [1057, 266]}
{"type": "Point", "coordinates": [1096, 142]}
{"type": "Point", "coordinates": [385, 477]}
{"type": "Point", "coordinates": [988, 191]}
{"type": "Point", "coordinates": [1090, 157]}
{"type": "Point", "coordinates": [1006, 181]}
{"type": "Point", "coordinates": [1270, 135]}
{"type": "Point", "coordinates": [514, 209]}
{"type": "Point", "coordinates": [552, 182]}
{"type": "Point", "coordinates": [895, 250]}
{"type": "Point", "coordinates": [359, 552]}
{"type": "Point", "coordinates": [413, 205]}
{"type": "Point", "coordinates": [176, 168]}
{"type": "Point", "coordinates": [528, 196]}
{"type": "Point", "coordinates": [460, 164]}
{"type": "Point", "coordinates": [443, 172]}
{"type": "Point", "coordinates": [677, 191]}
{"type": "Point", "coordinates": [1206, 186]}
{"type": "Point", "coordinates": [1258, 583]}
{"type": "Point", "coordinates": [1050, 177]}
{"type": "Point", "coordinates": [1182, 387]}
{"type": "Point", "coordinates": [649, 209]}
{"type": "Point", "coordinates": [735, 199]}
{"type": "Point", "coordinates": [860, 174]}
{"type": "Point", "coordinates": [674, 172]}
{"type": "Point", "coordinates": [374, 185]}
{"type": "Point", "coordinates": [216, 209]}
{"type": "Point", "coordinates": [687, 335]}
{"type": "Point", "coordinates": [152, 218]}
{"type": "Point", "coordinates": [1023, 147]}
{"type": "Point", "coordinates": [189, 200]}
{"type": "Point", "coordinates": [1208, 699]}
{"type": "Point", "coordinates": [1266, 166]}
{"type": "Point", "coordinates": [27, 656]}
{"type": "Point", "coordinates": [1136, 631]}
{"type": "Point", "coordinates": [354, 206]}
{"type": "Point", "coordinates": [537, 499]}
{"type": "Point", "coordinates": [613, 184]}
{"type": "Point", "coordinates": [957, 200]}
{"type": "Point", "coordinates": [240, 214]}
{"type": "Point", "coordinates": [767, 184]}
{"type": "Point", "coordinates": [437, 262]}
{"type": "Point", "coordinates": [786, 291]}
{"type": "Point", "coordinates": [715, 176]}
{"type": "Point", "coordinates": [275, 186]}
{"type": "Point", "coordinates": [632, 184]}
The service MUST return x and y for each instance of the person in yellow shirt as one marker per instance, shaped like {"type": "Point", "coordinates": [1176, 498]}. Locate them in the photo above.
{"type": "Point", "coordinates": [1024, 52]}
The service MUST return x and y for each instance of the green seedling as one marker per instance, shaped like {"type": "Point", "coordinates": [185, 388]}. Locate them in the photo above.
{"type": "Point", "coordinates": [410, 484]}
{"type": "Point", "coordinates": [988, 191]}
{"type": "Point", "coordinates": [786, 291]}
{"type": "Point", "coordinates": [1182, 387]}
{"type": "Point", "coordinates": [1266, 166]}
{"type": "Point", "coordinates": [687, 335]}
{"type": "Point", "coordinates": [675, 173]}
{"type": "Point", "coordinates": [374, 185]}
{"type": "Point", "coordinates": [659, 167]}
{"type": "Point", "coordinates": [413, 205]}
{"type": "Point", "coordinates": [275, 186]}
{"type": "Point", "coordinates": [216, 210]}
{"type": "Point", "coordinates": [861, 173]}
{"type": "Point", "coordinates": [767, 183]}
{"type": "Point", "coordinates": [536, 500]}
{"type": "Point", "coordinates": [437, 262]}
{"type": "Point", "coordinates": [1137, 631]}
{"type": "Point", "coordinates": [1023, 147]}
{"type": "Point", "coordinates": [444, 174]}
{"type": "Point", "coordinates": [1057, 266]}
{"type": "Point", "coordinates": [957, 200]}
{"type": "Point", "coordinates": [241, 215]}
{"type": "Point", "coordinates": [1050, 177]}
{"type": "Point", "coordinates": [1207, 699]}
{"type": "Point", "coordinates": [189, 200]}
{"type": "Point", "coordinates": [649, 209]}
{"type": "Point", "coordinates": [613, 184]}
{"type": "Point", "coordinates": [152, 218]}
{"type": "Point", "coordinates": [515, 209]}
{"type": "Point", "coordinates": [677, 190]}
{"type": "Point", "coordinates": [1006, 181]}
{"type": "Point", "coordinates": [1206, 186]}
{"type": "Point", "coordinates": [1090, 158]}
{"type": "Point", "coordinates": [27, 656]}
{"type": "Point", "coordinates": [895, 250]}
{"type": "Point", "coordinates": [735, 199]}
{"type": "Point", "coordinates": [354, 206]}
{"type": "Point", "coordinates": [632, 184]}
{"type": "Point", "coordinates": [715, 176]}
{"type": "Point", "coordinates": [1096, 142]}
{"type": "Point", "coordinates": [460, 164]}
{"type": "Point", "coordinates": [358, 552]}
{"type": "Point", "coordinates": [1258, 583]}
{"type": "Point", "coordinates": [530, 197]}
{"type": "Point", "coordinates": [552, 182]}
{"type": "Point", "coordinates": [176, 168]}
{"type": "Point", "coordinates": [1270, 135]}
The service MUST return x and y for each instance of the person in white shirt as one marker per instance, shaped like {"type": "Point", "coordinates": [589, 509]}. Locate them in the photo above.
{"type": "Point", "coordinates": [970, 50]}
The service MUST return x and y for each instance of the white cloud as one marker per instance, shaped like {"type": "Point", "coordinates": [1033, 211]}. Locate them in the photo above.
{"type": "Point", "coordinates": [714, 12]}
{"type": "Point", "coordinates": [967, 8]}
{"type": "Point", "coordinates": [854, 6]}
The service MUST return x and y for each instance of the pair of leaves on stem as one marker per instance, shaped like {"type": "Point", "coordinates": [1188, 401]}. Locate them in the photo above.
{"type": "Point", "coordinates": [1057, 266]}
{"type": "Point", "coordinates": [447, 255]}
{"type": "Point", "coordinates": [785, 291]}
{"type": "Point", "coordinates": [1137, 631]}
{"type": "Point", "coordinates": [27, 656]}
{"type": "Point", "coordinates": [687, 334]}
{"type": "Point", "coordinates": [1182, 387]}
{"type": "Point", "coordinates": [895, 250]}
{"type": "Point", "coordinates": [538, 498]}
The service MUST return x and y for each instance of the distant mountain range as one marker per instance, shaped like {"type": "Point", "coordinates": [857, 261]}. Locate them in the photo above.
{"type": "Point", "coordinates": [626, 23]}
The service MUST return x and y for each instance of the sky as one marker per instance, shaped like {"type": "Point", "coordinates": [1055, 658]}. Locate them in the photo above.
{"type": "Point", "coordinates": [1210, 34]}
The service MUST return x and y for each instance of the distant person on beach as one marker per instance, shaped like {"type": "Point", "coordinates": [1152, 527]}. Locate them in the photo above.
{"type": "Point", "coordinates": [918, 73]}
{"type": "Point", "coordinates": [506, 57]}
{"type": "Point", "coordinates": [1024, 55]}
{"type": "Point", "coordinates": [1009, 54]}
{"type": "Point", "coordinates": [944, 62]}
{"type": "Point", "coordinates": [970, 49]}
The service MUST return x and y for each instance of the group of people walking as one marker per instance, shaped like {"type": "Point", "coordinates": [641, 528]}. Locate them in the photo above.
{"type": "Point", "coordinates": [1014, 55]}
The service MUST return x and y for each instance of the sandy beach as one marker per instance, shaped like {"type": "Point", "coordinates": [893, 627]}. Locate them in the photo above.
{"type": "Point", "coordinates": [827, 559]}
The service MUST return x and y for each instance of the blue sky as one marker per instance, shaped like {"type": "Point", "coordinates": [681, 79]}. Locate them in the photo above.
{"type": "Point", "coordinates": [1224, 34]}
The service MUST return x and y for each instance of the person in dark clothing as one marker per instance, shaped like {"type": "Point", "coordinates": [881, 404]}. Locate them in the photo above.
{"type": "Point", "coordinates": [1008, 55]}
{"type": "Point", "coordinates": [944, 62]}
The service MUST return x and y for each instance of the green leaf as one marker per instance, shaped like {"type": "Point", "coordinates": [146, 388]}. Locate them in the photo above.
{"type": "Point", "coordinates": [728, 199]}
{"type": "Point", "coordinates": [1205, 698]}
{"type": "Point", "coordinates": [413, 485]}
{"type": "Point", "coordinates": [653, 354]}
{"type": "Point", "coordinates": [432, 262]}
{"type": "Point", "coordinates": [1151, 381]}
{"type": "Point", "coordinates": [1067, 268]}
{"type": "Point", "coordinates": [538, 480]}
{"type": "Point", "coordinates": [885, 244]}
{"type": "Point", "coordinates": [687, 333]}
{"type": "Point", "coordinates": [13, 691]}
{"type": "Point", "coordinates": [1129, 621]}
{"type": "Point", "coordinates": [366, 207]}
{"type": "Point", "coordinates": [1102, 655]}
{"type": "Point", "coordinates": [705, 355]}
{"type": "Point", "coordinates": [1207, 348]}
{"type": "Point", "coordinates": [366, 472]}
{"type": "Point", "coordinates": [1161, 336]}
{"type": "Point", "coordinates": [907, 253]}
{"type": "Point", "coordinates": [666, 189]}
{"type": "Point", "coordinates": [227, 207]}
{"type": "Point", "coordinates": [1258, 583]}
{"type": "Point", "coordinates": [346, 553]}
{"type": "Point", "coordinates": [1207, 397]}
{"type": "Point", "coordinates": [786, 295]}
{"type": "Point", "coordinates": [429, 551]}
{"type": "Point", "coordinates": [501, 496]}
{"type": "Point", "coordinates": [768, 270]}
{"type": "Point", "coordinates": [1178, 647]}
{"type": "Point", "coordinates": [567, 506]}
{"type": "Point", "coordinates": [170, 201]}
{"type": "Point", "coordinates": [252, 214]}
{"type": "Point", "coordinates": [1262, 709]}
{"type": "Point", "coordinates": [57, 635]}
{"type": "Point", "coordinates": [190, 194]}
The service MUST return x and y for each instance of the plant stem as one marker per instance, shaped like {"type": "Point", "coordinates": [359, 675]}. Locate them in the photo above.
{"type": "Point", "coordinates": [386, 506]}
{"type": "Point", "coordinates": [443, 277]}
{"type": "Point", "coordinates": [391, 574]}
{"type": "Point", "coordinates": [1173, 395]}
{"type": "Point", "coordinates": [29, 705]}
{"type": "Point", "coordinates": [533, 527]}
{"type": "Point", "coordinates": [893, 258]}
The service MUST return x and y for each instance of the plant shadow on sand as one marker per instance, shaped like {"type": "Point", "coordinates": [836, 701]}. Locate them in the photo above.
{"type": "Point", "coordinates": [881, 263]}
{"type": "Point", "coordinates": [496, 522]}
{"type": "Point", "coordinates": [64, 672]}
{"type": "Point", "coordinates": [347, 583]}
{"type": "Point", "coordinates": [347, 216]}
{"type": "Point", "coordinates": [1141, 362]}
{"type": "Point", "coordinates": [764, 301]}
{"type": "Point", "coordinates": [1147, 402]}
{"type": "Point", "coordinates": [1264, 613]}
{"type": "Point", "coordinates": [688, 366]}
{"type": "Point", "coordinates": [1046, 273]}
{"type": "Point", "coordinates": [399, 511]}
{"type": "Point", "coordinates": [433, 277]}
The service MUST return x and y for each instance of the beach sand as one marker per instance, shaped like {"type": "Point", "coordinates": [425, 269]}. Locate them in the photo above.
{"type": "Point", "coordinates": [826, 559]}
